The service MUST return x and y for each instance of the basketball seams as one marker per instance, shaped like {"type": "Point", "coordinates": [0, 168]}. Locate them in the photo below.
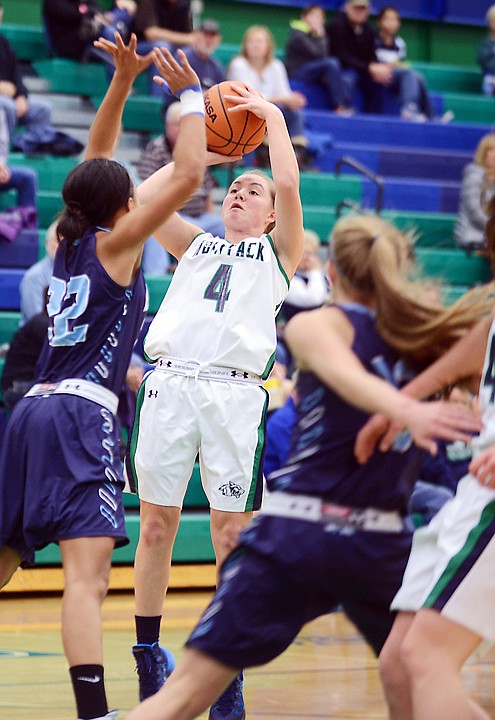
{"type": "Point", "coordinates": [233, 135]}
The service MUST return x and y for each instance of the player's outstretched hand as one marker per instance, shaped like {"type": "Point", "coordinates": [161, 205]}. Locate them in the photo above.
{"type": "Point", "coordinates": [246, 97]}
{"type": "Point", "coordinates": [377, 428]}
{"type": "Point", "coordinates": [483, 468]}
{"type": "Point", "coordinates": [175, 76]}
{"type": "Point", "coordinates": [127, 61]}
{"type": "Point", "coordinates": [427, 421]}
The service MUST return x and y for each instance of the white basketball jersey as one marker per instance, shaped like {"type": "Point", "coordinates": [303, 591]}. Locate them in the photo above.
{"type": "Point", "coordinates": [221, 305]}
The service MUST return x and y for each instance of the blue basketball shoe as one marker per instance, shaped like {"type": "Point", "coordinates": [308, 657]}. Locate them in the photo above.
{"type": "Point", "coordinates": [230, 705]}
{"type": "Point", "coordinates": [154, 664]}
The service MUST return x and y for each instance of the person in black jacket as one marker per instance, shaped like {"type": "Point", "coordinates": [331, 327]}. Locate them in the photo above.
{"type": "Point", "coordinates": [71, 26]}
{"type": "Point", "coordinates": [20, 109]}
{"type": "Point", "coordinates": [306, 57]}
{"type": "Point", "coordinates": [352, 40]}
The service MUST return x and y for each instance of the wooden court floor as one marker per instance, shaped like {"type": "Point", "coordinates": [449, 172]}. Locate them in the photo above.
{"type": "Point", "coordinates": [328, 672]}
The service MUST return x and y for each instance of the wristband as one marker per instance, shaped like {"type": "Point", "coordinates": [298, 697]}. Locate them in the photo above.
{"type": "Point", "coordinates": [191, 101]}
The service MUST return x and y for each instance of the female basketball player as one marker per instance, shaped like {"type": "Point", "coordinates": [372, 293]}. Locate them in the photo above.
{"type": "Point", "coordinates": [213, 343]}
{"type": "Point", "coordinates": [446, 601]}
{"type": "Point", "coordinates": [330, 527]}
{"type": "Point", "coordinates": [60, 471]}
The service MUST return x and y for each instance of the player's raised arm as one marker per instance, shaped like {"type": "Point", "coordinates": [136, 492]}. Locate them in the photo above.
{"type": "Point", "coordinates": [288, 234]}
{"type": "Point", "coordinates": [105, 128]}
{"type": "Point", "coordinates": [189, 154]}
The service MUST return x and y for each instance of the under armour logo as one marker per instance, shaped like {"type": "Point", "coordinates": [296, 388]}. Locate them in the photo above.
{"type": "Point", "coordinates": [230, 489]}
{"type": "Point", "coordinates": [152, 393]}
{"type": "Point", "coordinates": [235, 373]}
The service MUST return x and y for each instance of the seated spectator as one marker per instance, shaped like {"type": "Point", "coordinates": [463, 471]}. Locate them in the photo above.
{"type": "Point", "coordinates": [352, 41]}
{"type": "Point", "coordinates": [20, 110]}
{"type": "Point", "coordinates": [309, 287]}
{"type": "Point", "coordinates": [71, 26]}
{"type": "Point", "coordinates": [256, 65]}
{"type": "Point", "coordinates": [485, 54]}
{"type": "Point", "coordinates": [37, 278]}
{"type": "Point", "coordinates": [22, 179]}
{"type": "Point", "coordinates": [306, 58]}
{"type": "Point", "coordinates": [478, 187]}
{"type": "Point", "coordinates": [162, 23]}
{"type": "Point", "coordinates": [19, 372]}
{"type": "Point", "coordinates": [199, 209]}
{"type": "Point", "coordinates": [200, 54]}
{"type": "Point", "coordinates": [392, 49]}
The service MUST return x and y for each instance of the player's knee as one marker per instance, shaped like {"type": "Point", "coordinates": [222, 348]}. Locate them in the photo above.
{"type": "Point", "coordinates": [157, 530]}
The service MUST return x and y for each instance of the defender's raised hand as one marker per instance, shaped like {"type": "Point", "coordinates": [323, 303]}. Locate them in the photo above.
{"type": "Point", "coordinates": [127, 62]}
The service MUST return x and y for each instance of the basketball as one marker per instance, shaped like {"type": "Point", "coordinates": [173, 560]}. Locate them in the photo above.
{"type": "Point", "coordinates": [230, 133]}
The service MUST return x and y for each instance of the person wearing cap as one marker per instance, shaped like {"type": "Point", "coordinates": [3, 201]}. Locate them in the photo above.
{"type": "Point", "coordinates": [200, 54]}
{"type": "Point", "coordinates": [352, 40]}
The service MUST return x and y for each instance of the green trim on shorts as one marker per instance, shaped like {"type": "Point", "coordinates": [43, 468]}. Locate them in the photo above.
{"type": "Point", "coordinates": [455, 563]}
{"type": "Point", "coordinates": [255, 477]}
{"type": "Point", "coordinates": [135, 429]}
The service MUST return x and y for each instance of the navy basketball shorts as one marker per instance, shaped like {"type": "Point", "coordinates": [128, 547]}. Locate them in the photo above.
{"type": "Point", "coordinates": [286, 572]}
{"type": "Point", "coordinates": [60, 474]}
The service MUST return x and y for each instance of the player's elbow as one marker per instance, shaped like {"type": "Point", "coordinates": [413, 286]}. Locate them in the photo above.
{"type": "Point", "coordinates": [289, 182]}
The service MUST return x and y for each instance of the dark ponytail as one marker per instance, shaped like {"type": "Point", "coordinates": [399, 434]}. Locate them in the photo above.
{"type": "Point", "coordinates": [93, 192]}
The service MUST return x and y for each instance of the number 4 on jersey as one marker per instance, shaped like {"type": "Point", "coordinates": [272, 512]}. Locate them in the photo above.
{"type": "Point", "coordinates": [218, 287]}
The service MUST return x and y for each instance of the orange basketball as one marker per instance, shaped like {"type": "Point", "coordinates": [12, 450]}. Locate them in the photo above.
{"type": "Point", "coordinates": [230, 133]}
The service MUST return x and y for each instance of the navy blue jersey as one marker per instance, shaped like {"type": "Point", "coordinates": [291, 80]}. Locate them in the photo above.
{"type": "Point", "coordinates": [321, 461]}
{"type": "Point", "coordinates": [94, 322]}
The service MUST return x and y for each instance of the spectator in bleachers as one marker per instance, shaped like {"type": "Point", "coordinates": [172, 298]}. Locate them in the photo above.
{"type": "Point", "coordinates": [257, 65]}
{"type": "Point", "coordinates": [485, 54]}
{"type": "Point", "coordinates": [31, 113]}
{"type": "Point", "coordinates": [477, 189]}
{"type": "Point", "coordinates": [309, 287]}
{"type": "Point", "coordinates": [307, 59]}
{"type": "Point", "coordinates": [162, 23]}
{"type": "Point", "coordinates": [71, 26]}
{"type": "Point", "coordinates": [37, 278]}
{"type": "Point", "coordinates": [199, 210]}
{"type": "Point", "coordinates": [391, 48]}
{"type": "Point", "coordinates": [19, 371]}
{"type": "Point", "coordinates": [352, 41]}
{"type": "Point", "coordinates": [200, 54]}
{"type": "Point", "coordinates": [13, 177]}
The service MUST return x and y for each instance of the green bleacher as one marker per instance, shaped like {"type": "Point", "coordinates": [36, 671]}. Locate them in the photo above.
{"type": "Point", "coordinates": [444, 53]}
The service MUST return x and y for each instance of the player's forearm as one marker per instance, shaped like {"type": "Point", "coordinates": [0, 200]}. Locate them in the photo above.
{"type": "Point", "coordinates": [106, 124]}
{"type": "Point", "coordinates": [463, 360]}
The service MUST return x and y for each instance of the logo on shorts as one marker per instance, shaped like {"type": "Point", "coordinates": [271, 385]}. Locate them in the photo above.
{"type": "Point", "coordinates": [153, 393]}
{"type": "Point", "coordinates": [230, 489]}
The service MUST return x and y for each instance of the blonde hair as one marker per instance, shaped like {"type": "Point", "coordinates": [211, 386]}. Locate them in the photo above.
{"type": "Point", "coordinates": [490, 13]}
{"type": "Point", "coordinates": [373, 260]}
{"type": "Point", "coordinates": [486, 142]}
{"type": "Point", "coordinates": [269, 36]}
{"type": "Point", "coordinates": [311, 238]}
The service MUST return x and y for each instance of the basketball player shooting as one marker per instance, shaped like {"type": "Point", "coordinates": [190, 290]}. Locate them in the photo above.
{"type": "Point", "coordinates": [213, 344]}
